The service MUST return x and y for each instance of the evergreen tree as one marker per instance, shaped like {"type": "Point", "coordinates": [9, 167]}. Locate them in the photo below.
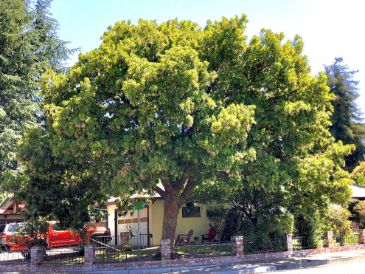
{"type": "Point", "coordinates": [17, 109]}
{"type": "Point", "coordinates": [346, 117]}
{"type": "Point", "coordinates": [28, 47]}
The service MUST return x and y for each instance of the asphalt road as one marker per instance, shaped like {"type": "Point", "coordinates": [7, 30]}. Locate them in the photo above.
{"type": "Point", "coordinates": [352, 267]}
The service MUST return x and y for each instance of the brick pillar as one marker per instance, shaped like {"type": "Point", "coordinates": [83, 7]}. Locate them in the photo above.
{"type": "Point", "coordinates": [37, 254]}
{"type": "Point", "coordinates": [237, 245]}
{"type": "Point", "coordinates": [361, 236]}
{"type": "Point", "coordinates": [89, 256]}
{"type": "Point", "coordinates": [289, 243]}
{"type": "Point", "coordinates": [165, 248]}
{"type": "Point", "coordinates": [329, 242]}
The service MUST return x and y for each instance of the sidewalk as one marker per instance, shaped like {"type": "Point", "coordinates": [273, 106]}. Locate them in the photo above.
{"type": "Point", "coordinates": [255, 267]}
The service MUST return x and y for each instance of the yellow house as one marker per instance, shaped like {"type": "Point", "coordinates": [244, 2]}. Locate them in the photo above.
{"type": "Point", "coordinates": [125, 228]}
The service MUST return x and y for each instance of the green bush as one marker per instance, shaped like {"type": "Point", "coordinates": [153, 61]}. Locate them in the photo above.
{"type": "Point", "coordinates": [351, 238]}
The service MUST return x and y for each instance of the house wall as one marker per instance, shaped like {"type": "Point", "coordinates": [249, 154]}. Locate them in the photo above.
{"type": "Point", "coordinates": [129, 224]}
{"type": "Point", "coordinates": [200, 225]}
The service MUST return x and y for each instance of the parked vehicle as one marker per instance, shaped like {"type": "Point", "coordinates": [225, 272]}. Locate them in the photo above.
{"type": "Point", "coordinates": [14, 240]}
{"type": "Point", "coordinates": [6, 234]}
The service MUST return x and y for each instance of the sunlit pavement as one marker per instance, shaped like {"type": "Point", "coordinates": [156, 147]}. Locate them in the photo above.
{"type": "Point", "coordinates": [343, 268]}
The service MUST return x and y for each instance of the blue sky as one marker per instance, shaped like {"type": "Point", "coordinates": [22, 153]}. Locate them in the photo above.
{"type": "Point", "coordinates": [330, 28]}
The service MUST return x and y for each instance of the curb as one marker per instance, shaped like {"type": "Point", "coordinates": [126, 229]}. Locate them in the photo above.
{"type": "Point", "coordinates": [249, 268]}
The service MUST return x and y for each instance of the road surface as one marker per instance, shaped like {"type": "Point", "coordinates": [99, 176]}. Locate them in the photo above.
{"type": "Point", "coordinates": [352, 267]}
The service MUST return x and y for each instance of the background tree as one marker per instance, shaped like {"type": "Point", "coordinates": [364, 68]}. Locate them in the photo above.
{"type": "Point", "coordinates": [346, 118]}
{"type": "Point", "coordinates": [29, 46]}
{"type": "Point", "coordinates": [17, 107]}
{"type": "Point", "coordinates": [358, 174]}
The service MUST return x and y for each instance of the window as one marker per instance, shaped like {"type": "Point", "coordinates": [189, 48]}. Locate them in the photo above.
{"type": "Point", "coordinates": [57, 227]}
{"type": "Point", "coordinates": [190, 211]}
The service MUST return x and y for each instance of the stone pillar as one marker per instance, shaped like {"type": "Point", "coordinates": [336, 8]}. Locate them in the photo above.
{"type": "Point", "coordinates": [361, 236]}
{"type": "Point", "coordinates": [289, 243]}
{"type": "Point", "coordinates": [37, 255]}
{"type": "Point", "coordinates": [165, 248]}
{"type": "Point", "coordinates": [89, 256]}
{"type": "Point", "coordinates": [237, 245]}
{"type": "Point", "coordinates": [329, 242]}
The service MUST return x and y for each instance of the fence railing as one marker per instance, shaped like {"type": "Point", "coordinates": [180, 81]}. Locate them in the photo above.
{"type": "Point", "coordinates": [300, 242]}
{"type": "Point", "coordinates": [207, 249]}
{"type": "Point", "coordinates": [264, 244]}
{"type": "Point", "coordinates": [117, 249]}
{"type": "Point", "coordinates": [65, 256]}
{"type": "Point", "coordinates": [16, 257]}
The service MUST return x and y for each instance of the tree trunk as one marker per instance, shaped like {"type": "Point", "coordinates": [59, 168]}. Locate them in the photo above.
{"type": "Point", "coordinates": [171, 211]}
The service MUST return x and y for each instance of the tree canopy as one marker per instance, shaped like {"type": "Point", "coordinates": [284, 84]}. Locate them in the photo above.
{"type": "Point", "coordinates": [346, 119]}
{"type": "Point", "coordinates": [28, 47]}
{"type": "Point", "coordinates": [188, 106]}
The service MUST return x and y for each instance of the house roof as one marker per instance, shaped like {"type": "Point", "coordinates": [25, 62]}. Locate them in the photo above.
{"type": "Point", "coordinates": [141, 194]}
{"type": "Point", "coordinates": [6, 204]}
{"type": "Point", "coordinates": [358, 191]}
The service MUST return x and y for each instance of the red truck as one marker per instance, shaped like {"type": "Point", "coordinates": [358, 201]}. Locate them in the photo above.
{"type": "Point", "coordinates": [12, 240]}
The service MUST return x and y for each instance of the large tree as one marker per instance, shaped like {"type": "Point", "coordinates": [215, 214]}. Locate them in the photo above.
{"type": "Point", "coordinates": [174, 103]}
{"type": "Point", "coordinates": [346, 119]}
{"type": "Point", "coordinates": [139, 111]}
{"type": "Point", "coordinates": [28, 47]}
{"type": "Point", "coordinates": [299, 166]}
{"type": "Point", "coordinates": [17, 108]}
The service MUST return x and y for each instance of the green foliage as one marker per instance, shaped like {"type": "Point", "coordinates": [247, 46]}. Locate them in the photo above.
{"type": "Point", "coordinates": [358, 174]}
{"type": "Point", "coordinates": [351, 238]}
{"type": "Point", "coordinates": [197, 109]}
{"type": "Point", "coordinates": [339, 221]}
{"type": "Point", "coordinates": [29, 46]}
{"type": "Point", "coordinates": [359, 210]}
{"type": "Point", "coordinates": [17, 109]}
{"type": "Point", "coordinates": [49, 189]}
{"type": "Point", "coordinates": [311, 229]}
{"type": "Point", "coordinates": [139, 109]}
{"type": "Point", "coordinates": [298, 166]}
{"type": "Point", "coordinates": [346, 118]}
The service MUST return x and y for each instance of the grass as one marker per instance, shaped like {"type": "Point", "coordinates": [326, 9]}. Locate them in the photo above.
{"type": "Point", "coordinates": [213, 249]}
{"type": "Point", "coordinates": [149, 253]}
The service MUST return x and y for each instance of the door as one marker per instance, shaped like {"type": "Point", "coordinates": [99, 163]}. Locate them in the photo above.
{"type": "Point", "coordinates": [58, 237]}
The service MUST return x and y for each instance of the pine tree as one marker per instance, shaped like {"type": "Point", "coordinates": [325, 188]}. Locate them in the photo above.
{"type": "Point", "coordinates": [28, 47]}
{"type": "Point", "coordinates": [17, 109]}
{"type": "Point", "coordinates": [346, 118]}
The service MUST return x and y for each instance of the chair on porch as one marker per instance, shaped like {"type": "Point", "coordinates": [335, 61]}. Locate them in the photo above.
{"type": "Point", "coordinates": [212, 233]}
{"type": "Point", "coordinates": [184, 239]}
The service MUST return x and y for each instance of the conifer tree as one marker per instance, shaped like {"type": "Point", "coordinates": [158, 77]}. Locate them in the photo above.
{"type": "Point", "coordinates": [346, 118]}
{"type": "Point", "coordinates": [28, 47]}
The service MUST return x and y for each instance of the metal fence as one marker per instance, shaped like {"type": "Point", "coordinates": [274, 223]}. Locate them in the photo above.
{"type": "Point", "coordinates": [300, 242]}
{"type": "Point", "coordinates": [64, 256]}
{"type": "Point", "coordinates": [117, 249]}
{"type": "Point", "coordinates": [260, 244]}
{"type": "Point", "coordinates": [16, 257]}
{"type": "Point", "coordinates": [208, 249]}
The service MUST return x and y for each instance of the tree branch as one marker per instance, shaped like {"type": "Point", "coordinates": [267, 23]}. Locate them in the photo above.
{"type": "Point", "coordinates": [159, 191]}
{"type": "Point", "coordinates": [187, 190]}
